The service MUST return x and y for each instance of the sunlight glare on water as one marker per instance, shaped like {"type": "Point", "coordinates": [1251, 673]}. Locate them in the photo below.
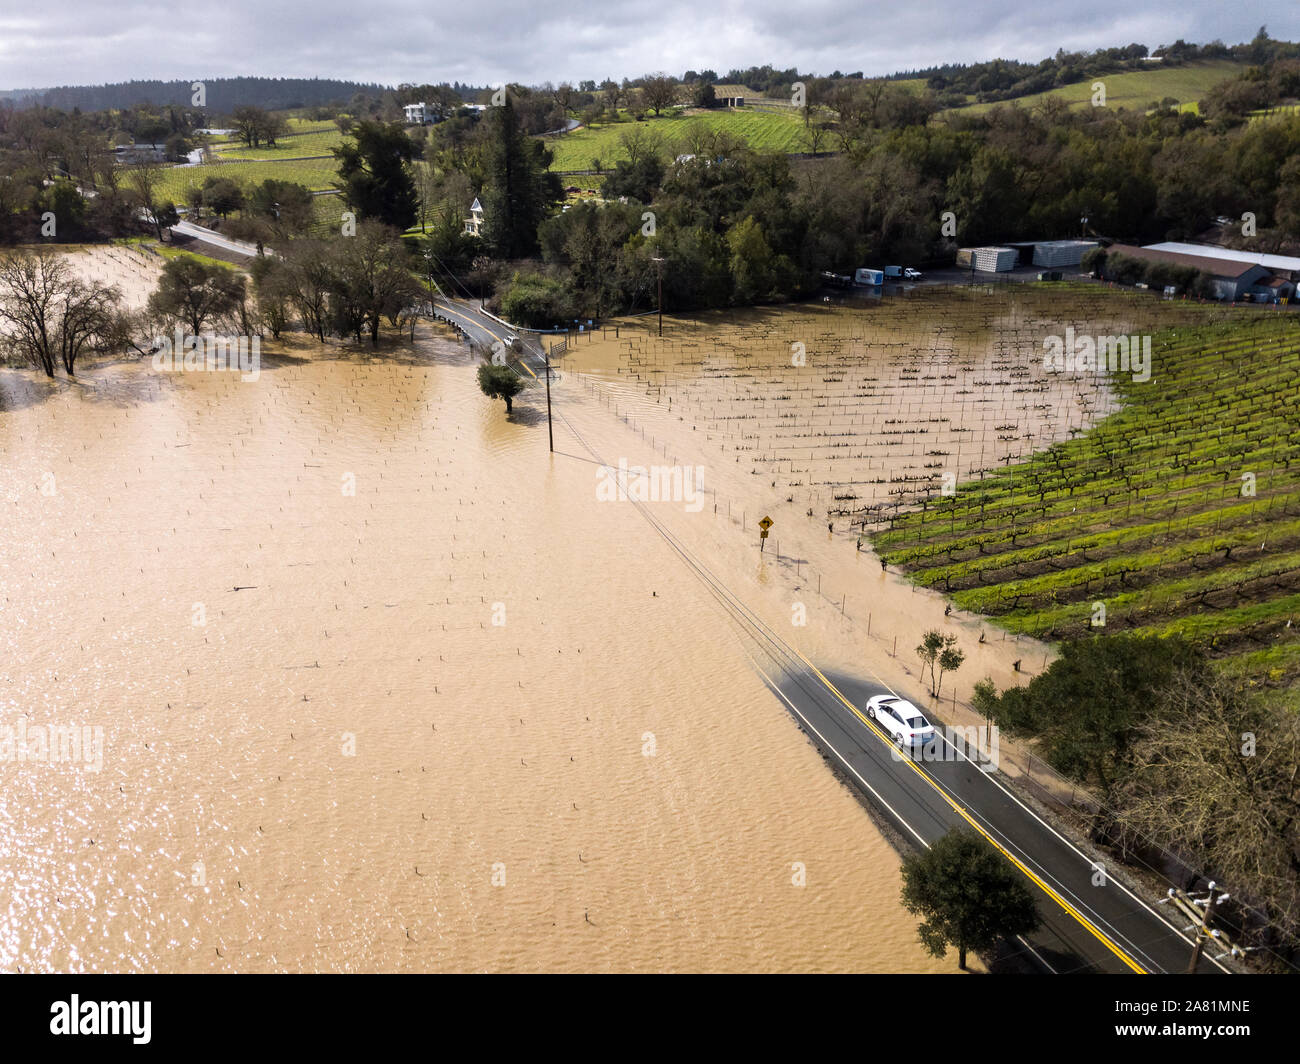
{"type": "Point", "coordinates": [320, 753]}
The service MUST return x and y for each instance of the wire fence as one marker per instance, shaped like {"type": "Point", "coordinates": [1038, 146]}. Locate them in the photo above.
{"type": "Point", "coordinates": [1016, 762]}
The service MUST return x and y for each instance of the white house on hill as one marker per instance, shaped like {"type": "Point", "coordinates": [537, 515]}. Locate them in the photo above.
{"type": "Point", "coordinates": [474, 223]}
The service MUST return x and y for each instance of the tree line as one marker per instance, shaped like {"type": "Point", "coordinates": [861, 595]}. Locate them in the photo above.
{"type": "Point", "coordinates": [890, 178]}
{"type": "Point", "coordinates": [222, 94]}
{"type": "Point", "coordinates": [345, 287]}
{"type": "Point", "coordinates": [734, 226]}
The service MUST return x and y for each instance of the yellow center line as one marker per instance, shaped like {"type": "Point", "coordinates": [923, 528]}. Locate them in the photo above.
{"type": "Point", "coordinates": [503, 344]}
{"type": "Point", "coordinates": [1048, 890]}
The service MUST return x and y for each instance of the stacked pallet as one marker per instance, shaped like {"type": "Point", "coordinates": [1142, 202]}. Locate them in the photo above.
{"type": "Point", "coordinates": [987, 260]}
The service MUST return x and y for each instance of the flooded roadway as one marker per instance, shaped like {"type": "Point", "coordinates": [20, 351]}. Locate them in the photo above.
{"type": "Point", "coordinates": [383, 686]}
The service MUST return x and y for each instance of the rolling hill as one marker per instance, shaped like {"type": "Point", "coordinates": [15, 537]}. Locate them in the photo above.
{"type": "Point", "coordinates": [1136, 90]}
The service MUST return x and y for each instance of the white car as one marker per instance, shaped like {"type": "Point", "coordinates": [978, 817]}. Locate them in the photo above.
{"type": "Point", "coordinates": [911, 274]}
{"type": "Point", "coordinates": [900, 719]}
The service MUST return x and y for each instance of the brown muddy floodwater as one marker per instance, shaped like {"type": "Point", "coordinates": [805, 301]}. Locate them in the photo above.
{"type": "Point", "coordinates": [827, 417]}
{"type": "Point", "coordinates": [372, 682]}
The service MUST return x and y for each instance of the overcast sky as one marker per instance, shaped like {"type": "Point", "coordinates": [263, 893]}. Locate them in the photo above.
{"type": "Point", "coordinates": [488, 41]}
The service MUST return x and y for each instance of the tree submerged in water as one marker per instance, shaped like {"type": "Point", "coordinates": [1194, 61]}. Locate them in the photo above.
{"type": "Point", "coordinates": [499, 382]}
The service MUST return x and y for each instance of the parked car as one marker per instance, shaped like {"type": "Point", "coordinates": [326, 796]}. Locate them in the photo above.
{"type": "Point", "coordinates": [911, 274]}
{"type": "Point", "coordinates": [902, 720]}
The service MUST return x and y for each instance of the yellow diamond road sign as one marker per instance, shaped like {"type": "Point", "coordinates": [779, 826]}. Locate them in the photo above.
{"type": "Point", "coordinates": [765, 524]}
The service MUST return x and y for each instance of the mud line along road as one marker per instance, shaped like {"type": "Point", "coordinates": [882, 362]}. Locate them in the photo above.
{"type": "Point", "coordinates": [1090, 923]}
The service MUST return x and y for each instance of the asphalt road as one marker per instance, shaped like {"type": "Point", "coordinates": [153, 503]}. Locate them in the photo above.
{"type": "Point", "coordinates": [1090, 921]}
{"type": "Point", "coordinates": [487, 330]}
{"type": "Point", "coordinates": [239, 247]}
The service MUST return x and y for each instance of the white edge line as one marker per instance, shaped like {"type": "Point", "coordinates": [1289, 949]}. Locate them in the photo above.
{"type": "Point", "coordinates": [1016, 798]}
{"type": "Point", "coordinates": [830, 746]}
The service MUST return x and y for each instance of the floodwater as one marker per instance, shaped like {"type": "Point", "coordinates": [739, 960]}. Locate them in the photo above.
{"type": "Point", "coordinates": [372, 682]}
{"type": "Point", "coordinates": [824, 418]}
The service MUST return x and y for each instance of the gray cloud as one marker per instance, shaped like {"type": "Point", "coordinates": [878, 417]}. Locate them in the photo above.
{"type": "Point", "coordinates": [488, 41]}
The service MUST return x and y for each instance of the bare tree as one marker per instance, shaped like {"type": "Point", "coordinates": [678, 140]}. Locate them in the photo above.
{"type": "Point", "coordinates": [815, 134]}
{"type": "Point", "coordinates": [255, 125]}
{"type": "Point", "coordinates": [373, 279]}
{"type": "Point", "coordinates": [132, 330]}
{"type": "Point", "coordinates": [728, 145]}
{"type": "Point", "coordinates": [273, 128]}
{"type": "Point", "coordinates": [659, 91]}
{"type": "Point", "coordinates": [699, 138]}
{"type": "Point", "coordinates": [144, 178]}
{"type": "Point", "coordinates": [31, 283]}
{"type": "Point", "coordinates": [247, 124]}
{"type": "Point", "coordinates": [856, 106]}
{"type": "Point", "coordinates": [50, 315]}
{"type": "Point", "coordinates": [640, 143]}
{"type": "Point", "coordinates": [1214, 778]}
{"type": "Point", "coordinates": [87, 321]}
{"type": "Point", "coordinates": [85, 151]}
{"type": "Point", "coordinates": [194, 293]}
{"type": "Point", "coordinates": [309, 277]}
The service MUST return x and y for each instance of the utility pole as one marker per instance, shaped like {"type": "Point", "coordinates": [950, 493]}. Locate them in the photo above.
{"type": "Point", "coordinates": [550, 432]}
{"type": "Point", "coordinates": [1199, 948]}
{"type": "Point", "coordinates": [1199, 911]}
{"type": "Point", "coordinates": [1202, 932]}
{"type": "Point", "coordinates": [659, 269]}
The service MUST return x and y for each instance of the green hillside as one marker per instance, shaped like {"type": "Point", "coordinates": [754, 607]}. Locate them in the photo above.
{"type": "Point", "coordinates": [314, 173]}
{"type": "Point", "coordinates": [1139, 89]}
{"type": "Point", "coordinates": [315, 143]}
{"type": "Point", "coordinates": [763, 130]}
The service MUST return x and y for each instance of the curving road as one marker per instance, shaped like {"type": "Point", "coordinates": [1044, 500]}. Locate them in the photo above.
{"type": "Point", "coordinates": [211, 236]}
{"type": "Point", "coordinates": [486, 330]}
